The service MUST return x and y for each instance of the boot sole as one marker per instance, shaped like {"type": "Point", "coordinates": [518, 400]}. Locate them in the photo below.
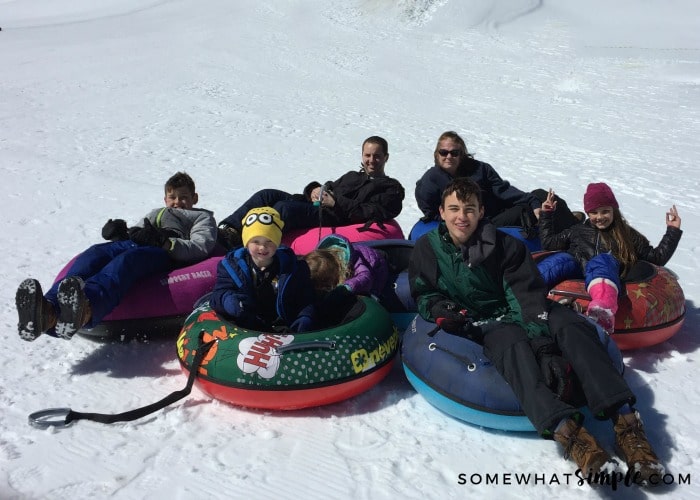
{"type": "Point", "coordinates": [71, 301]}
{"type": "Point", "coordinates": [647, 468]}
{"type": "Point", "coordinates": [29, 310]}
{"type": "Point", "coordinates": [602, 318]}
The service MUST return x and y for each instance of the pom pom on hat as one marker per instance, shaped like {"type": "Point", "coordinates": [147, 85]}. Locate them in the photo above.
{"type": "Point", "coordinates": [598, 194]}
{"type": "Point", "coordinates": [262, 221]}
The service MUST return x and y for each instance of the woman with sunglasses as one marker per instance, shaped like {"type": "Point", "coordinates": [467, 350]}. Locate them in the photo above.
{"type": "Point", "coordinates": [504, 204]}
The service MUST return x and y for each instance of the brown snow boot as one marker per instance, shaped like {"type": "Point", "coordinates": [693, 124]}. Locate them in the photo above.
{"type": "Point", "coordinates": [632, 445]}
{"type": "Point", "coordinates": [74, 307]}
{"type": "Point", "coordinates": [36, 314]}
{"type": "Point", "coordinates": [582, 448]}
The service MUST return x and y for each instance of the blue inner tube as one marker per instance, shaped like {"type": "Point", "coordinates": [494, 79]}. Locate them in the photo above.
{"type": "Point", "coordinates": [455, 376]}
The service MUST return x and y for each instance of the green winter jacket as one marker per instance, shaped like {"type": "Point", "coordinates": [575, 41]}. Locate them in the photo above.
{"type": "Point", "coordinates": [493, 277]}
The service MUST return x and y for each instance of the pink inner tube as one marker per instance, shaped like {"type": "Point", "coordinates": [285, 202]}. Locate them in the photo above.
{"type": "Point", "coordinates": [302, 241]}
{"type": "Point", "coordinates": [163, 295]}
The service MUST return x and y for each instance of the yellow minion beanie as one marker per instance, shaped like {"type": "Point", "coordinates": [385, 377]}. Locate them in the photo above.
{"type": "Point", "coordinates": [262, 221]}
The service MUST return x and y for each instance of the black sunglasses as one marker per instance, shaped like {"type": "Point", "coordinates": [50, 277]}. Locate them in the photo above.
{"type": "Point", "coordinates": [453, 152]}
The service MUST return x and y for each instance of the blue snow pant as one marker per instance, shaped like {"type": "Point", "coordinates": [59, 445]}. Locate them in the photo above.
{"type": "Point", "coordinates": [563, 266]}
{"type": "Point", "coordinates": [604, 389]}
{"type": "Point", "coordinates": [296, 213]}
{"type": "Point", "coordinates": [109, 271]}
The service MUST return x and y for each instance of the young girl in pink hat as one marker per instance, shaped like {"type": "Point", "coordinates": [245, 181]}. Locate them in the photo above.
{"type": "Point", "coordinates": [602, 249]}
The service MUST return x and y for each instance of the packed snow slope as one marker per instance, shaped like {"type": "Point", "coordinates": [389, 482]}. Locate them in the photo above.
{"type": "Point", "coordinates": [100, 102]}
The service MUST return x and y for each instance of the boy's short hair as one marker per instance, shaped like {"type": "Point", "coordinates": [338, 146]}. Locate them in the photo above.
{"type": "Point", "coordinates": [464, 188]}
{"type": "Point", "coordinates": [379, 141]}
{"type": "Point", "coordinates": [179, 180]}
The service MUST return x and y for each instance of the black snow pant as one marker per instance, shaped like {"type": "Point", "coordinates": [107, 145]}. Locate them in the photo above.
{"type": "Point", "coordinates": [604, 388]}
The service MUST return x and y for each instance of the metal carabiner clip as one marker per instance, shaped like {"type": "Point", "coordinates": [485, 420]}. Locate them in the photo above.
{"type": "Point", "coordinates": [40, 419]}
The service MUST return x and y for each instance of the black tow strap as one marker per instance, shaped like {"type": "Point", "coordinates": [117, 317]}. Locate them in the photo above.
{"type": "Point", "coordinates": [42, 418]}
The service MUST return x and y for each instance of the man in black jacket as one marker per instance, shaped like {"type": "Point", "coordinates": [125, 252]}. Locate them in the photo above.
{"type": "Point", "coordinates": [363, 196]}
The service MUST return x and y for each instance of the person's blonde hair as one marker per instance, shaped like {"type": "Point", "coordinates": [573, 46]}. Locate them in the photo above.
{"type": "Point", "coordinates": [327, 269]}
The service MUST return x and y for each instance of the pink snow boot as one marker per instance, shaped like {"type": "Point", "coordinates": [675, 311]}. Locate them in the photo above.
{"type": "Point", "coordinates": [603, 305]}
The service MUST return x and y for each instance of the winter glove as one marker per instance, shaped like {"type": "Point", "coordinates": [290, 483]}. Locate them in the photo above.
{"type": "Point", "coordinates": [556, 371]}
{"type": "Point", "coordinates": [340, 298]}
{"type": "Point", "coordinates": [310, 187]}
{"type": "Point", "coordinates": [115, 230]}
{"type": "Point", "coordinates": [229, 237]}
{"type": "Point", "coordinates": [149, 235]}
{"type": "Point", "coordinates": [528, 223]}
{"type": "Point", "coordinates": [450, 317]}
{"type": "Point", "coordinates": [301, 324]}
{"type": "Point", "coordinates": [326, 189]}
{"type": "Point", "coordinates": [240, 307]}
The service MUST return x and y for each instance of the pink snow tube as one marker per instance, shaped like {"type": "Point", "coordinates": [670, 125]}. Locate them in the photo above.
{"type": "Point", "coordinates": [302, 241]}
{"type": "Point", "coordinates": [157, 305]}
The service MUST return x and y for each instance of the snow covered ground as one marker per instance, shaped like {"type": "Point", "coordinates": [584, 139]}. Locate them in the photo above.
{"type": "Point", "coordinates": [100, 102]}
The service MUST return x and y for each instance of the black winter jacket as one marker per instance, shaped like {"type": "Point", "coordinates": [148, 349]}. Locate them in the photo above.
{"type": "Point", "coordinates": [584, 241]}
{"type": "Point", "coordinates": [360, 198]}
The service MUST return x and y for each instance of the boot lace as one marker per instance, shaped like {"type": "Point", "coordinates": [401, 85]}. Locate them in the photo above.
{"type": "Point", "coordinates": [576, 448]}
{"type": "Point", "coordinates": [634, 442]}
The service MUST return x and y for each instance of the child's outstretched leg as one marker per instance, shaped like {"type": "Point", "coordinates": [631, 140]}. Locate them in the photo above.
{"type": "Point", "coordinates": [36, 314]}
{"type": "Point", "coordinates": [603, 305]}
{"type": "Point", "coordinates": [602, 275]}
{"type": "Point", "coordinates": [75, 311]}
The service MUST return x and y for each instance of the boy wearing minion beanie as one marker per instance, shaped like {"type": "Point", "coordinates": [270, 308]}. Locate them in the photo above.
{"type": "Point", "coordinates": [262, 234]}
{"type": "Point", "coordinates": [262, 285]}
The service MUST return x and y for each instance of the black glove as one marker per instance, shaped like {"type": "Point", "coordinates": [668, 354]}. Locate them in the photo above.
{"type": "Point", "coordinates": [338, 302]}
{"type": "Point", "coordinates": [326, 188]}
{"type": "Point", "coordinates": [310, 187]}
{"type": "Point", "coordinates": [149, 235]}
{"type": "Point", "coordinates": [229, 237]}
{"type": "Point", "coordinates": [528, 223]}
{"type": "Point", "coordinates": [339, 297]}
{"type": "Point", "coordinates": [450, 317]}
{"type": "Point", "coordinates": [556, 371]}
{"type": "Point", "coordinates": [115, 230]}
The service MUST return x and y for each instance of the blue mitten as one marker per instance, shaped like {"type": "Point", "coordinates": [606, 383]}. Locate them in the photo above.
{"type": "Point", "coordinates": [302, 324]}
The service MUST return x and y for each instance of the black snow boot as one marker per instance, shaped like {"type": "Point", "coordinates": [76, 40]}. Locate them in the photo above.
{"type": "Point", "coordinates": [36, 314]}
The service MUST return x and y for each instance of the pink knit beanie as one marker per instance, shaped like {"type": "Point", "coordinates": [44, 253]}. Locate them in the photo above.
{"type": "Point", "coordinates": [598, 194]}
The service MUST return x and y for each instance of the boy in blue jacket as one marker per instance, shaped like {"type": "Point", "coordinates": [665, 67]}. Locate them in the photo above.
{"type": "Point", "coordinates": [168, 237]}
{"type": "Point", "coordinates": [263, 286]}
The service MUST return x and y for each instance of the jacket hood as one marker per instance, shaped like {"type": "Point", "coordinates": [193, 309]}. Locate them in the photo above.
{"type": "Point", "coordinates": [337, 242]}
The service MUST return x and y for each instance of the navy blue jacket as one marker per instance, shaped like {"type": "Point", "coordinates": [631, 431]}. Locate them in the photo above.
{"type": "Point", "coordinates": [234, 293]}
